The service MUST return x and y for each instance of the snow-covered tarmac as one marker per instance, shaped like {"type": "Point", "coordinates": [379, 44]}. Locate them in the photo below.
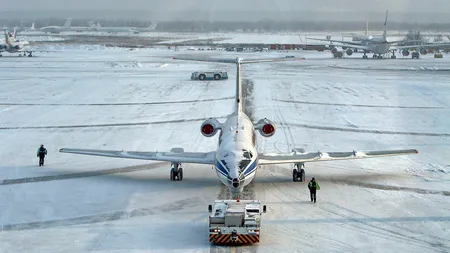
{"type": "Point", "coordinates": [145, 100]}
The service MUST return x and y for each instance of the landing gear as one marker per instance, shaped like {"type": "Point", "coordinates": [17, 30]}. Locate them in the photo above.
{"type": "Point", "coordinates": [29, 54]}
{"type": "Point", "coordinates": [393, 55]}
{"type": "Point", "coordinates": [365, 56]}
{"type": "Point", "coordinates": [176, 172]}
{"type": "Point", "coordinates": [298, 173]}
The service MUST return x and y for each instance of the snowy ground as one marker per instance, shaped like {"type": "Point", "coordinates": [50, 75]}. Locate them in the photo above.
{"type": "Point", "coordinates": [144, 100]}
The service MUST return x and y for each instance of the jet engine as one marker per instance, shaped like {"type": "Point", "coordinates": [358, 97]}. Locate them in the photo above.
{"type": "Point", "coordinates": [423, 51]}
{"type": "Point", "coordinates": [265, 127]}
{"type": "Point", "coordinates": [210, 127]}
{"type": "Point", "coordinates": [349, 51]}
{"type": "Point", "coordinates": [405, 52]}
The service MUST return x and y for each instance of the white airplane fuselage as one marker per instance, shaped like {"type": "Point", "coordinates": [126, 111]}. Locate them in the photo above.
{"type": "Point", "coordinates": [236, 157]}
{"type": "Point", "coordinates": [379, 47]}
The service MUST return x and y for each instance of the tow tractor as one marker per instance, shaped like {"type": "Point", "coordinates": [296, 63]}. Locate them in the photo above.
{"type": "Point", "coordinates": [235, 221]}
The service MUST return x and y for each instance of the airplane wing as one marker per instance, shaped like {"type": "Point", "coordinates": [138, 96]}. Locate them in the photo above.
{"type": "Point", "coordinates": [175, 155]}
{"type": "Point", "coordinates": [295, 157]}
{"type": "Point", "coordinates": [430, 45]}
{"type": "Point", "coordinates": [338, 41]}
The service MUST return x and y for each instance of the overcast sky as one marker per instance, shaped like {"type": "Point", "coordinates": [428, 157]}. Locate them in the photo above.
{"type": "Point", "coordinates": [234, 8]}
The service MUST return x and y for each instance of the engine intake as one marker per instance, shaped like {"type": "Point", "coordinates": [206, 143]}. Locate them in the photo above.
{"type": "Point", "coordinates": [349, 51]}
{"type": "Point", "coordinates": [423, 51]}
{"type": "Point", "coordinates": [265, 127]}
{"type": "Point", "coordinates": [210, 127]}
{"type": "Point", "coordinates": [405, 52]}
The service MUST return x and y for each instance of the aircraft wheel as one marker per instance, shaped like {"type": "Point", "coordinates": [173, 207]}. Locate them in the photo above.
{"type": "Point", "coordinates": [393, 57]}
{"type": "Point", "coordinates": [172, 175]}
{"type": "Point", "coordinates": [180, 174]}
{"type": "Point", "coordinates": [302, 175]}
{"type": "Point", "coordinates": [294, 175]}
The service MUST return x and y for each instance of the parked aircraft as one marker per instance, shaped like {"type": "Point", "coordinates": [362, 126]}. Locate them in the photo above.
{"type": "Point", "coordinates": [13, 45]}
{"type": "Point", "coordinates": [379, 45]}
{"type": "Point", "coordinates": [57, 29]}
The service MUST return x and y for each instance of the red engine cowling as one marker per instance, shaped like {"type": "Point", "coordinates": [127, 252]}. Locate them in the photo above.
{"type": "Point", "coordinates": [423, 51]}
{"type": "Point", "coordinates": [405, 52]}
{"type": "Point", "coordinates": [210, 127]}
{"type": "Point", "coordinates": [265, 127]}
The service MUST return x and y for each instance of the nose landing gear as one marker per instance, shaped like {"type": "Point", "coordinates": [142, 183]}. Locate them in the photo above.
{"type": "Point", "coordinates": [298, 173]}
{"type": "Point", "coordinates": [176, 172]}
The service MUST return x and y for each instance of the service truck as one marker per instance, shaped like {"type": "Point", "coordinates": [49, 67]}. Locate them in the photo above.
{"type": "Point", "coordinates": [235, 221]}
{"type": "Point", "coordinates": [209, 75]}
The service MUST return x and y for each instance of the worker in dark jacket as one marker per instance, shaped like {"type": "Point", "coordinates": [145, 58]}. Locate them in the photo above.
{"type": "Point", "coordinates": [313, 186]}
{"type": "Point", "coordinates": [41, 153]}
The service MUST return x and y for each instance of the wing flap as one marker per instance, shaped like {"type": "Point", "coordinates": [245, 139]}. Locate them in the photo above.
{"type": "Point", "coordinates": [295, 157]}
{"type": "Point", "coordinates": [172, 156]}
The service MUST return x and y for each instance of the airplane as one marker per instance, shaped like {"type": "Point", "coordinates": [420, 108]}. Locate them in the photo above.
{"type": "Point", "coordinates": [379, 45]}
{"type": "Point", "coordinates": [13, 45]}
{"type": "Point", "coordinates": [21, 28]}
{"type": "Point", "coordinates": [57, 29]}
{"type": "Point", "coordinates": [134, 30]}
{"type": "Point", "coordinates": [91, 28]}
{"type": "Point", "coordinates": [236, 158]}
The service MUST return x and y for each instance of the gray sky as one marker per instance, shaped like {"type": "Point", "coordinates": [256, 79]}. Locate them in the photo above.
{"type": "Point", "coordinates": [233, 9]}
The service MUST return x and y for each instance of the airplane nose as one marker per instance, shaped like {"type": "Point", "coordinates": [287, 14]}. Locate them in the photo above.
{"type": "Point", "coordinates": [235, 182]}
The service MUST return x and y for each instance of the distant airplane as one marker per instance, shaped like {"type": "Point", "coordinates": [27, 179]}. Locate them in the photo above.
{"type": "Point", "coordinates": [236, 159]}
{"type": "Point", "coordinates": [135, 30]}
{"type": "Point", "coordinates": [57, 29]}
{"type": "Point", "coordinates": [378, 45]}
{"type": "Point", "coordinates": [13, 45]}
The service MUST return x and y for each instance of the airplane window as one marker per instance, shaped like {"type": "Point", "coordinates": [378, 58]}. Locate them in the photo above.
{"type": "Point", "coordinates": [243, 164]}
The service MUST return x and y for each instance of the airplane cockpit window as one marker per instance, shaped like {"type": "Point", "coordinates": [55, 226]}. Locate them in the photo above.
{"type": "Point", "coordinates": [247, 158]}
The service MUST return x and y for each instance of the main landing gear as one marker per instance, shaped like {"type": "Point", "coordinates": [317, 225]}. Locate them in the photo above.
{"type": "Point", "coordinates": [298, 173]}
{"type": "Point", "coordinates": [176, 172]}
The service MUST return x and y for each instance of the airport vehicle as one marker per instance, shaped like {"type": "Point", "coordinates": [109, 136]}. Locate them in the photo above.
{"type": "Point", "coordinates": [378, 46]}
{"type": "Point", "coordinates": [236, 158]}
{"type": "Point", "coordinates": [13, 45]}
{"type": "Point", "coordinates": [209, 75]}
{"type": "Point", "coordinates": [235, 221]}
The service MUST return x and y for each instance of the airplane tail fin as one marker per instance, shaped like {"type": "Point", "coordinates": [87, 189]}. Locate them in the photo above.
{"type": "Point", "coordinates": [239, 61]}
{"type": "Point", "coordinates": [7, 42]}
{"type": "Point", "coordinates": [68, 22]}
{"type": "Point", "coordinates": [385, 26]}
{"type": "Point", "coordinates": [32, 27]}
{"type": "Point", "coordinates": [367, 25]}
{"type": "Point", "coordinates": [153, 25]}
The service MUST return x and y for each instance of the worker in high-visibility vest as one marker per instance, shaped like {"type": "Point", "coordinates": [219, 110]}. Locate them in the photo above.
{"type": "Point", "coordinates": [313, 186]}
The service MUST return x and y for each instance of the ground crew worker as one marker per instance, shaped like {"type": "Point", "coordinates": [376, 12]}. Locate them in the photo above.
{"type": "Point", "coordinates": [313, 186]}
{"type": "Point", "coordinates": [41, 153]}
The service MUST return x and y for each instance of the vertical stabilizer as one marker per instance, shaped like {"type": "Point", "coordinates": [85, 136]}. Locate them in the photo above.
{"type": "Point", "coordinates": [68, 22]}
{"type": "Point", "coordinates": [367, 25]}
{"type": "Point", "coordinates": [385, 26]}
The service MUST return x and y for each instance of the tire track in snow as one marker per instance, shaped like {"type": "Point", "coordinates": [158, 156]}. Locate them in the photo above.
{"type": "Point", "coordinates": [118, 104]}
{"type": "Point", "coordinates": [26, 180]}
{"type": "Point", "coordinates": [372, 131]}
{"type": "Point", "coordinates": [388, 187]}
{"type": "Point", "coordinates": [378, 230]}
{"type": "Point", "coordinates": [104, 217]}
{"type": "Point", "coordinates": [360, 105]}
{"type": "Point", "coordinates": [109, 125]}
